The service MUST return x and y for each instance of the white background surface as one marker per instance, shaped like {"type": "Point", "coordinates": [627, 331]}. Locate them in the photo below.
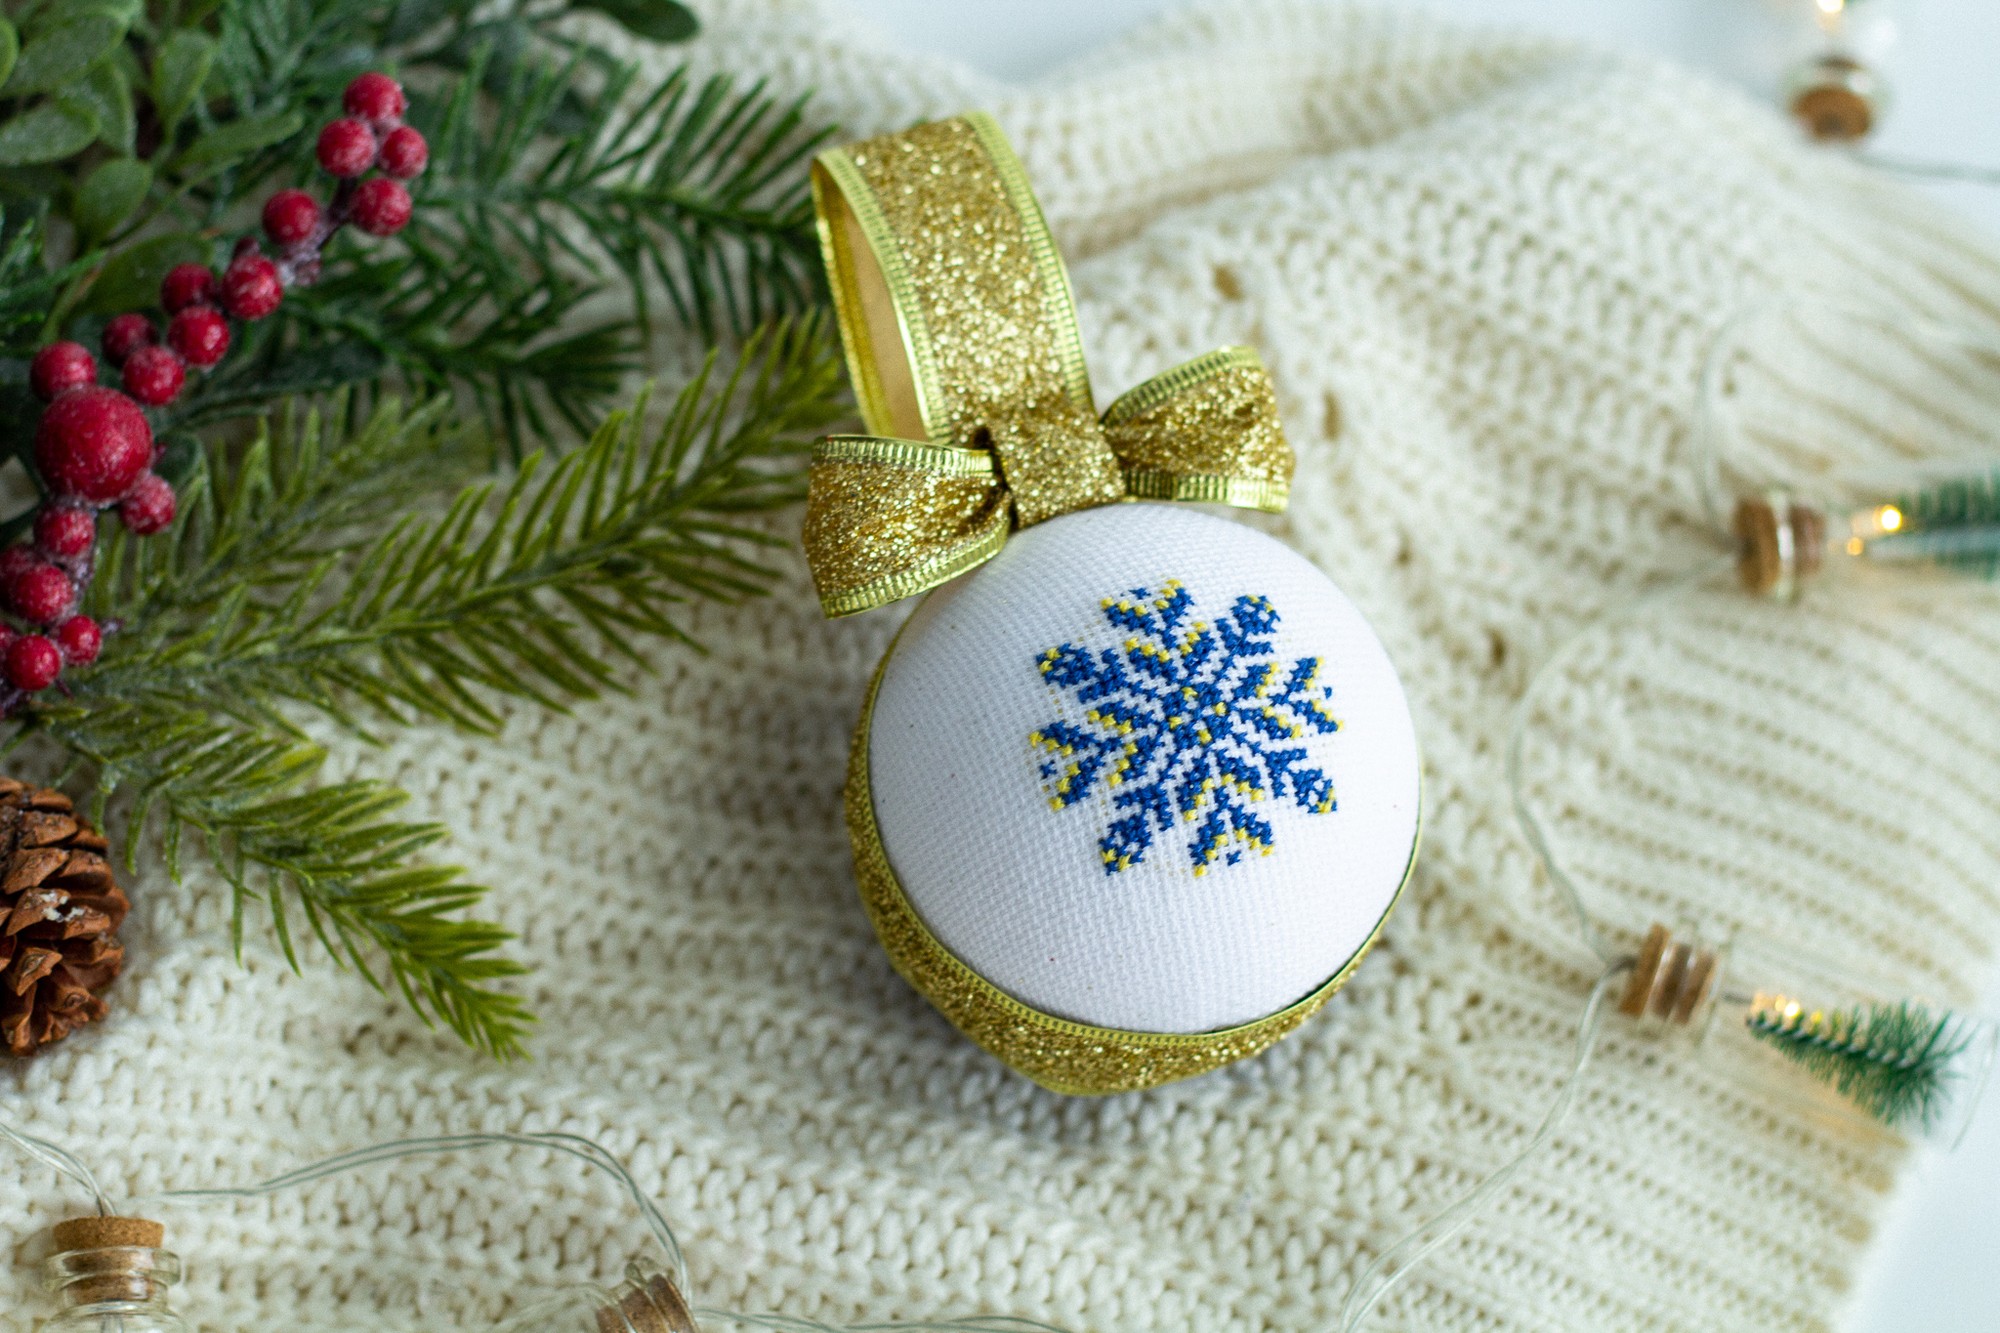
{"type": "Point", "coordinates": [1936, 1267]}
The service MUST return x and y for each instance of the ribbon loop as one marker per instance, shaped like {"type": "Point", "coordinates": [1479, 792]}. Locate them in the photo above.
{"type": "Point", "coordinates": [962, 341]}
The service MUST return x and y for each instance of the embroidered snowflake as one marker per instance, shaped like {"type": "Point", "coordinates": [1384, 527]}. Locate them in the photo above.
{"type": "Point", "coordinates": [1184, 722]}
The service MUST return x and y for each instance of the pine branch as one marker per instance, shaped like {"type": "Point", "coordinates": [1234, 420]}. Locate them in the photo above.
{"type": "Point", "coordinates": [330, 853]}
{"type": "Point", "coordinates": [1894, 1061]}
{"type": "Point", "coordinates": [529, 590]}
{"type": "Point", "coordinates": [700, 186]}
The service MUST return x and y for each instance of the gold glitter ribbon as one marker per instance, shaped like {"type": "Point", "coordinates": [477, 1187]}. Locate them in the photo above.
{"type": "Point", "coordinates": [962, 341]}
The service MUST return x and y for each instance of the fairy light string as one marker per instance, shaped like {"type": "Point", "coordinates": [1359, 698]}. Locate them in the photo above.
{"type": "Point", "coordinates": [1813, 1037]}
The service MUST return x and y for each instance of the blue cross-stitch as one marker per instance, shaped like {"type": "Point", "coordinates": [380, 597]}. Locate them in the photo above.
{"type": "Point", "coordinates": [1185, 721]}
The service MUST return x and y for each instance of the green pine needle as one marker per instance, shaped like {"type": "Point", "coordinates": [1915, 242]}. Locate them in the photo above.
{"type": "Point", "coordinates": [330, 854]}
{"type": "Point", "coordinates": [1894, 1061]}
{"type": "Point", "coordinates": [276, 592]}
{"type": "Point", "coordinates": [377, 572]}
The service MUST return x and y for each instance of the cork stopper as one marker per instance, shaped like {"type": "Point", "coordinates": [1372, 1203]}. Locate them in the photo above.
{"type": "Point", "coordinates": [1835, 99]}
{"type": "Point", "coordinates": [1670, 979]}
{"type": "Point", "coordinates": [647, 1304]}
{"type": "Point", "coordinates": [1781, 541]}
{"type": "Point", "coordinates": [108, 1233]}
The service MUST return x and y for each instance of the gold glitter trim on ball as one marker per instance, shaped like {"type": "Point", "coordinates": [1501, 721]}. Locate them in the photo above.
{"type": "Point", "coordinates": [1061, 1055]}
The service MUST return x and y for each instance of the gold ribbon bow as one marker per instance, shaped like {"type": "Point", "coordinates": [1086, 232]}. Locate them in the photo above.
{"type": "Point", "coordinates": [962, 340]}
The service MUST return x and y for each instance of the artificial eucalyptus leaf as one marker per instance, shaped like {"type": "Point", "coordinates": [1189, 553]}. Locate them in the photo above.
{"type": "Point", "coordinates": [240, 138]}
{"type": "Point", "coordinates": [414, 18]}
{"type": "Point", "coordinates": [10, 50]}
{"type": "Point", "coordinates": [655, 20]}
{"type": "Point", "coordinates": [104, 90]}
{"type": "Point", "coordinates": [179, 70]}
{"type": "Point", "coordinates": [46, 133]}
{"type": "Point", "coordinates": [132, 279]}
{"type": "Point", "coordinates": [110, 194]}
{"type": "Point", "coordinates": [60, 53]}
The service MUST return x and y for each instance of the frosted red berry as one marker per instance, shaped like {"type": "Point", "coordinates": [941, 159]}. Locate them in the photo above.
{"type": "Point", "coordinates": [200, 334]}
{"type": "Point", "coordinates": [64, 530]}
{"type": "Point", "coordinates": [186, 285]}
{"type": "Point", "coordinates": [380, 206]}
{"type": "Point", "coordinates": [250, 287]}
{"type": "Point", "coordinates": [12, 561]}
{"type": "Point", "coordinates": [41, 594]}
{"type": "Point", "coordinates": [126, 334]}
{"type": "Point", "coordinates": [150, 507]}
{"type": "Point", "coordinates": [60, 367]}
{"type": "Point", "coordinates": [404, 153]}
{"type": "Point", "coordinates": [291, 217]}
{"type": "Point", "coordinates": [374, 96]}
{"type": "Point", "coordinates": [154, 376]}
{"type": "Point", "coordinates": [80, 640]}
{"type": "Point", "coordinates": [33, 663]}
{"type": "Point", "coordinates": [346, 148]}
{"type": "Point", "coordinates": [93, 444]}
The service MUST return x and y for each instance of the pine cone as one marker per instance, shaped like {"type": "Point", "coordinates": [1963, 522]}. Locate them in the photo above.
{"type": "Point", "coordinates": [59, 909]}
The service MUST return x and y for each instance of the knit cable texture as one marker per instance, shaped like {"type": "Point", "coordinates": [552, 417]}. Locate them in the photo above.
{"type": "Point", "coordinates": [1484, 270]}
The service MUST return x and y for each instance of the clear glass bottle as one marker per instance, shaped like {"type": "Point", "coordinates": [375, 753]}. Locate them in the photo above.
{"type": "Point", "coordinates": [110, 1275]}
{"type": "Point", "coordinates": [1830, 1042]}
{"type": "Point", "coordinates": [647, 1301]}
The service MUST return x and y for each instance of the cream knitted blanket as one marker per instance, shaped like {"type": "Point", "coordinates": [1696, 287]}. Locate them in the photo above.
{"type": "Point", "coordinates": [1484, 271]}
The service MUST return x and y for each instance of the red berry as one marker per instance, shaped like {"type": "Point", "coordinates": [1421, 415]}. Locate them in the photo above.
{"type": "Point", "coordinates": [291, 217]}
{"type": "Point", "coordinates": [374, 96]}
{"type": "Point", "coordinates": [250, 287]}
{"type": "Point", "coordinates": [41, 593]}
{"type": "Point", "coordinates": [186, 285]}
{"type": "Point", "coordinates": [93, 444]}
{"type": "Point", "coordinates": [154, 376]}
{"type": "Point", "coordinates": [346, 148]}
{"type": "Point", "coordinates": [380, 206]}
{"type": "Point", "coordinates": [13, 561]}
{"type": "Point", "coordinates": [65, 530]}
{"type": "Point", "coordinates": [126, 334]}
{"type": "Point", "coordinates": [200, 334]}
{"type": "Point", "coordinates": [33, 663]}
{"type": "Point", "coordinates": [150, 506]}
{"type": "Point", "coordinates": [404, 153]}
{"type": "Point", "coordinates": [80, 640]}
{"type": "Point", "coordinates": [61, 366]}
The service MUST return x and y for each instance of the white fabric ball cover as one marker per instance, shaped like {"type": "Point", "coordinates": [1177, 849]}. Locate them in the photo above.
{"type": "Point", "coordinates": [1226, 673]}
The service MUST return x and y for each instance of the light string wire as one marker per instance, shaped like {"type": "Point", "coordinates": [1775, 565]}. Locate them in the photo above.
{"type": "Point", "coordinates": [59, 1160]}
{"type": "Point", "coordinates": [1390, 1267]}
{"type": "Point", "coordinates": [573, 1145]}
{"type": "Point", "coordinates": [1397, 1262]}
{"type": "Point", "coordinates": [1381, 1276]}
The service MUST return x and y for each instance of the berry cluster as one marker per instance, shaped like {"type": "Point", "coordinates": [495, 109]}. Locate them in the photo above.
{"type": "Point", "coordinates": [94, 447]}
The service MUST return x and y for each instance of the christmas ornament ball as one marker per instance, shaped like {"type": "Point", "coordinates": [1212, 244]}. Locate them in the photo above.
{"type": "Point", "coordinates": [1147, 773]}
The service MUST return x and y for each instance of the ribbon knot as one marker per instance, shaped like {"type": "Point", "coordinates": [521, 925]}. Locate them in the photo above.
{"type": "Point", "coordinates": [962, 342]}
